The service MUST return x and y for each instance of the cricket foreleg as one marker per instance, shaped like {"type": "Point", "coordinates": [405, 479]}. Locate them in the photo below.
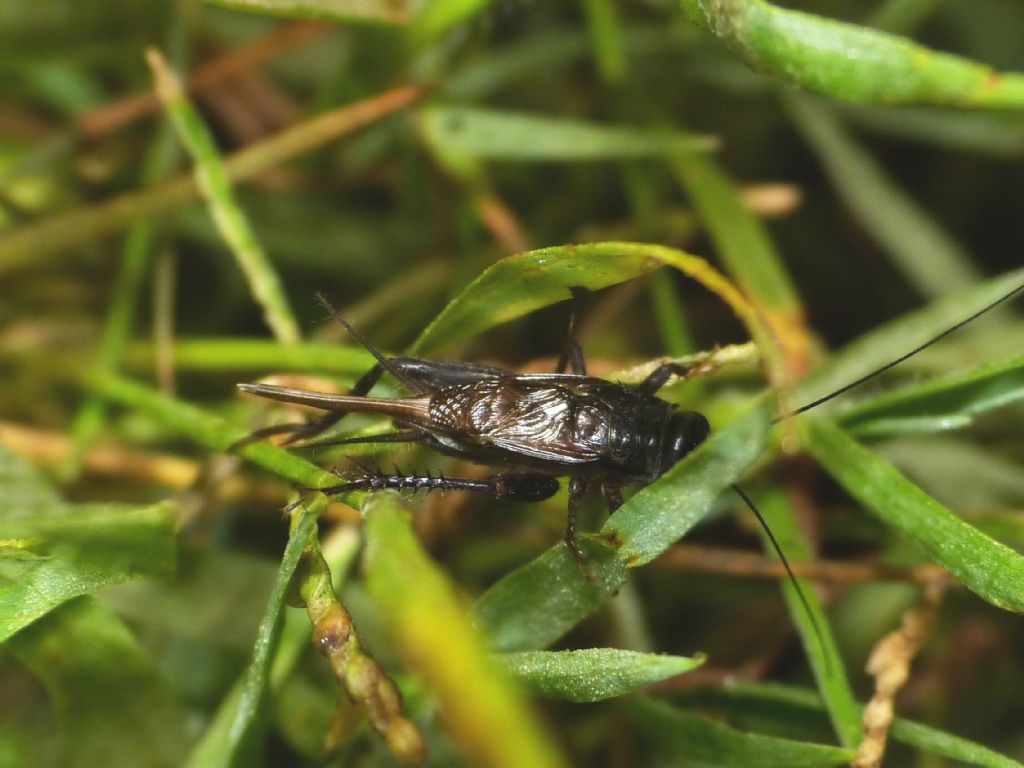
{"type": "Point", "coordinates": [513, 486]}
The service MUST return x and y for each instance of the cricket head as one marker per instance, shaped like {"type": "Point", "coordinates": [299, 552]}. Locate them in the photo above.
{"type": "Point", "coordinates": [686, 430]}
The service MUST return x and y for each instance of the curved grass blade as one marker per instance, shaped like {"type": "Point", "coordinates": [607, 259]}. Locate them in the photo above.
{"type": "Point", "coordinates": [488, 717]}
{"type": "Point", "coordinates": [943, 403]}
{"type": "Point", "coordinates": [991, 570]}
{"type": "Point", "coordinates": [686, 739]}
{"type": "Point", "coordinates": [517, 285]}
{"type": "Point", "coordinates": [849, 62]}
{"type": "Point", "coordinates": [488, 134]}
{"type": "Point", "coordinates": [538, 603]}
{"type": "Point", "coordinates": [592, 674]}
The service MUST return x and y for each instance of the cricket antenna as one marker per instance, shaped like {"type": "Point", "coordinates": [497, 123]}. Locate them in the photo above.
{"type": "Point", "coordinates": [792, 577]}
{"type": "Point", "coordinates": [386, 364]}
{"type": "Point", "coordinates": [846, 388]}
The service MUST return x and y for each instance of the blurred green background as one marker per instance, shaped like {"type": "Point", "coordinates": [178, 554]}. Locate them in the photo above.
{"type": "Point", "coordinates": [842, 169]}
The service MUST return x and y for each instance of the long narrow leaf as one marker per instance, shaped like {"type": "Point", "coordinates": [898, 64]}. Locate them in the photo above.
{"type": "Point", "coordinates": [991, 570]}
{"type": "Point", "coordinates": [592, 674]}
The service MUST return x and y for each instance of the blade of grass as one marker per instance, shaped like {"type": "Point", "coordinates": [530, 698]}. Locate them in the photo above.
{"type": "Point", "coordinates": [606, 39]}
{"type": "Point", "coordinates": [689, 739]}
{"type": "Point", "coordinates": [385, 12]}
{"type": "Point", "coordinates": [436, 18]}
{"type": "Point", "coordinates": [592, 674]}
{"type": "Point", "coordinates": [489, 718]}
{"type": "Point", "coordinates": [215, 186]}
{"type": "Point", "coordinates": [517, 285]}
{"type": "Point", "coordinates": [229, 354]}
{"type": "Point", "coordinates": [918, 246]}
{"type": "Point", "coordinates": [991, 570]}
{"type": "Point", "coordinates": [849, 62]}
{"type": "Point", "coordinates": [487, 134]}
{"type": "Point", "coordinates": [942, 403]}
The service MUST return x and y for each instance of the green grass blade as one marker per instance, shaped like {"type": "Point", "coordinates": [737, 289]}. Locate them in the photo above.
{"type": "Point", "coordinates": [73, 550]}
{"type": "Point", "coordinates": [849, 62]}
{"type": "Point", "coordinates": [341, 11]}
{"type": "Point", "coordinates": [517, 285]}
{"type": "Point", "coordinates": [488, 134]}
{"type": "Point", "coordinates": [235, 728]}
{"type": "Point", "coordinates": [487, 716]}
{"type": "Point", "coordinates": [230, 219]}
{"type": "Point", "coordinates": [113, 706]}
{"type": "Point", "coordinates": [592, 674]}
{"type": "Point", "coordinates": [538, 603]}
{"type": "Point", "coordinates": [918, 246]}
{"type": "Point", "coordinates": [227, 354]}
{"type": "Point", "coordinates": [991, 570]}
{"type": "Point", "coordinates": [439, 16]}
{"type": "Point", "coordinates": [740, 238]}
{"type": "Point", "coordinates": [942, 403]}
{"type": "Point", "coordinates": [687, 739]}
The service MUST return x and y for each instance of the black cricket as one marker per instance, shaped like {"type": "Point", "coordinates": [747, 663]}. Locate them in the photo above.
{"type": "Point", "coordinates": [542, 425]}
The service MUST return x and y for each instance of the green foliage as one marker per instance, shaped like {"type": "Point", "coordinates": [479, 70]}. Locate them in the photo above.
{"type": "Point", "coordinates": [447, 172]}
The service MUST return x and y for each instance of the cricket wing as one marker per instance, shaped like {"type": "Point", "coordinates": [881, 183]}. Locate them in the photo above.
{"type": "Point", "coordinates": [550, 424]}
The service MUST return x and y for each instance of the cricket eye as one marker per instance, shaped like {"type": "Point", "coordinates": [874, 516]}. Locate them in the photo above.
{"type": "Point", "coordinates": [686, 430]}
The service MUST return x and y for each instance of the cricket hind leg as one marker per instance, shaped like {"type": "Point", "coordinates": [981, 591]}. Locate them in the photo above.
{"type": "Point", "coordinates": [524, 487]}
{"type": "Point", "coordinates": [572, 354]}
